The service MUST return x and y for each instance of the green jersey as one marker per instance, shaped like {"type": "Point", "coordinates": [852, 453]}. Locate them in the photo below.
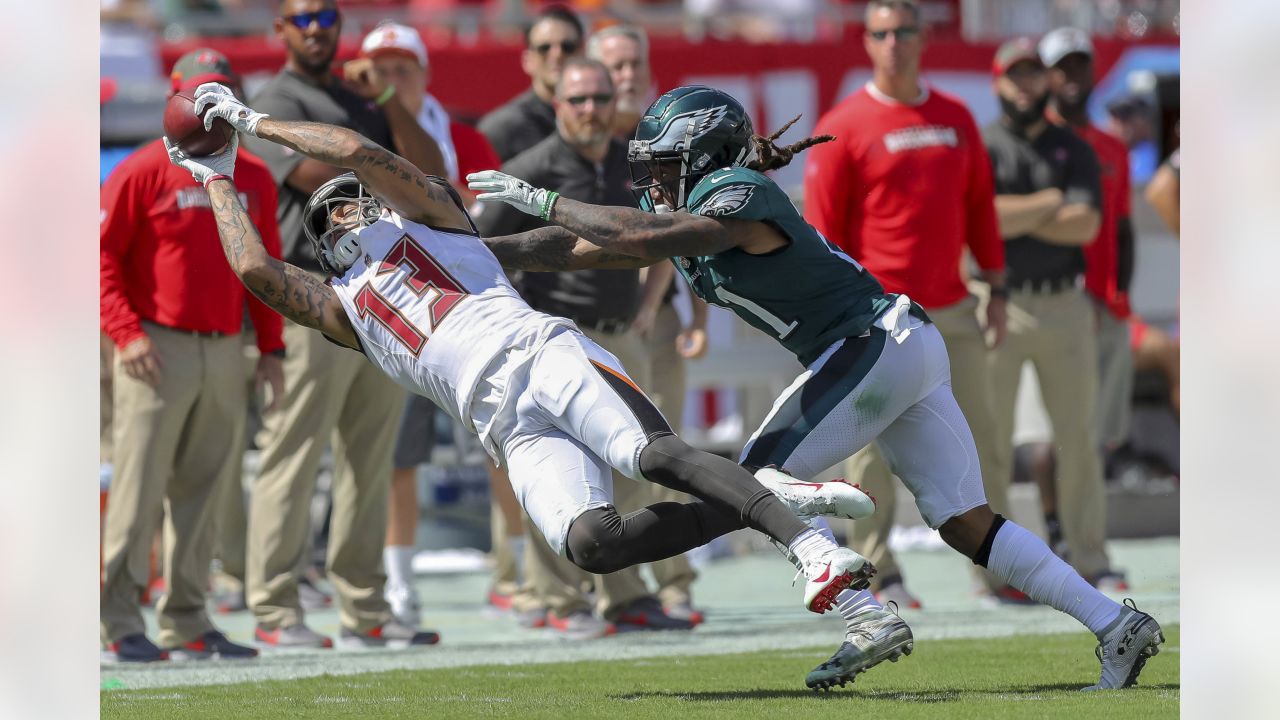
{"type": "Point", "coordinates": [808, 294]}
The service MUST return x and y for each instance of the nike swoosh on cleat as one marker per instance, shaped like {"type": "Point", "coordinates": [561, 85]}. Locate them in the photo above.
{"type": "Point", "coordinates": [825, 574]}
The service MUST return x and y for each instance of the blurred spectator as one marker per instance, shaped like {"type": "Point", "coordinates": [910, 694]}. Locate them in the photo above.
{"type": "Point", "coordinates": [330, 395]}
{"type": "Point", "coordinates": [174, 312]}
{"type": "Point", "coordinates": [904, 189]}
{"type": "Point", "coordinates": [667, 342]}
{"type": "Point", "coordinates": [1068, 53]}
{"type": "Point", "coordinates": [583, 162]}
{"type": "Point", "coordinates": [1048, 197]}
{"type": "Point", "coordinates": [555, 36]}
{"type": "Point", "coordinates": [1163, 192]}
{"type": "Point", "coordinates": [1132, 120]}
{"type": "Point", "coordinates": [400, 56]}
{"type": "Point", "coordinates": [754, 20]}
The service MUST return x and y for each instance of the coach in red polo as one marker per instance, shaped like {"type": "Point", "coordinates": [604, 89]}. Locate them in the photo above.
{"type": "Point", "coordinates": [905, 188]}
{"type": "Point", "coordinates": [174, 310]}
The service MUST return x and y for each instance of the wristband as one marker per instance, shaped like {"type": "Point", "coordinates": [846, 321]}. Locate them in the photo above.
{"type": "Point", "coordinates": [219, 176]}
{"type": "Point", "coordinates": [1000, 291]}
{"type": "Point", "coordinates": [385, 96]}
{"type": "Point", "coordinates": [548, 204]}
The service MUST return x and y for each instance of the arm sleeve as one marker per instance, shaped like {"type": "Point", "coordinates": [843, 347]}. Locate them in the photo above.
{"type": "Point", "coordinates": [982, 230]}
{"type": "Point", "coordinates": [1084, 177]}
{"type": "Point", "coordinates": [120, 213]}
{"type": "Point", "coordinates": [268, 325]}
{"type": "Point", "coordinates": [280, 160]}
{"type": "Point", "coordinates": [831, 195]}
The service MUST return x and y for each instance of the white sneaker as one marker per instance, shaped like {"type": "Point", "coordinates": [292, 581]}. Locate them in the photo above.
{"type": "Point", "coordinates": [837, 498]}
{"type": "Point", "coordinates": [1124, 649]}
{"type": "Point", "coordinates": [839, 569]}
{"type": "Point", "coordinates": [404, 602]}
{"type": "Point", "coordinates": [879, 635]}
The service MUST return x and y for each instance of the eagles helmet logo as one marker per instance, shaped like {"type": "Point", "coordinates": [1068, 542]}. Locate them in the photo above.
{"type": "Point", "coordinates": [687, 127]}
{"type": "Point", "coordinates": [727, 201]}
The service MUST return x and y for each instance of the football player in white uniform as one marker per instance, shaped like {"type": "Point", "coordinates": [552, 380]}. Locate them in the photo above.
{"type": "Point", "coordinates": [416, 291]}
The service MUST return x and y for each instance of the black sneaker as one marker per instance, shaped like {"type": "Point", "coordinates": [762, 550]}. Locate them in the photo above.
{"type": "Point", "coordinates": [213, 644]}
{"type": "Point", "coordinates": [135, 648]}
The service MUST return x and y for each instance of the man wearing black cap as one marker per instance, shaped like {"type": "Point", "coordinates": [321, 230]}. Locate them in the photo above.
{"type": "Point", "coordinates": [1048, 197]}
{"type": "Point", "coordinates": [179, 397]}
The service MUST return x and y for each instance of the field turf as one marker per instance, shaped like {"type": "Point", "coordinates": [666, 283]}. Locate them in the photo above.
{"type": "Point", "coordinates": [1014, 677]}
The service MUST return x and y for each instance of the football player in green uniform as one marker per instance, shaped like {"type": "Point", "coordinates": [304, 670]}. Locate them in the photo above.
{"type": "Point", "coordinates": [876, 368]}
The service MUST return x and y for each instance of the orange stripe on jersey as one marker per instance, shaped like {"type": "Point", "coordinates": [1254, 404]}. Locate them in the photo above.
{"type": "Point", "coordinates": [618, 375]}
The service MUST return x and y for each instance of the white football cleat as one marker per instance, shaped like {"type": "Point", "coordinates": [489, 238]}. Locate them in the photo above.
{"type": "Point", "coordinates": [837, 498]}
{"type": "Point", "coordinates": [839, 569]}
{"type": "Point", "coordinates": [1122, 651]}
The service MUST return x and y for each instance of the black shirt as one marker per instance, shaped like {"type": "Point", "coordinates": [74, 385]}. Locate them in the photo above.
{"type": "Point", "coordinates": [1056, 158]}
{"type": "Point", "coordinates": [587, 297]}
{"type": "Point", "coordinates": [519, 124]}
{"type": "Point", "coordinates": [289, 96]}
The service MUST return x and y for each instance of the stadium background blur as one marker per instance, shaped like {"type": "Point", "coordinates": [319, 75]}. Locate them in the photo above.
{"type": "Point", "coordinates": [779, 59]}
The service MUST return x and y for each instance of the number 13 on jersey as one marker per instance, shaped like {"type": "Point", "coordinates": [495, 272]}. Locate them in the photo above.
{"type": "Point", "coordinates": [435, 290]}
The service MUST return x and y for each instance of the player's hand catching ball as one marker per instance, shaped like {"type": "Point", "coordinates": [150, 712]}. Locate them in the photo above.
{"type": "Point", "coordinates": [208, 167]}
{"type": "Point", "coordinates": [217, 101]}
{"type": "Point", "coordinates": [494, 186]}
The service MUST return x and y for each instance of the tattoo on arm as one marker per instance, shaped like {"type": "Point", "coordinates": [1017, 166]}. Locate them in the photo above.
{"type": "Point", "coordinates": [390, 176]}
{"type": "Point", "coordinates": [551, 249]}
{"type": "Point", "coordinates": [640, 234]}
{"type": "Point", "coordinates": [288, 290]}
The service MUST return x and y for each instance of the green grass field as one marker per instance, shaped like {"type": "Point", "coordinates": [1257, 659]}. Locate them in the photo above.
{"type": "Point", "coordinates": [1014, 677]}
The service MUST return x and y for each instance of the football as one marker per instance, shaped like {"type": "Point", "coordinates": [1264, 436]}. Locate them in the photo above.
{"type": "Point", "coordinates": [186, 129]}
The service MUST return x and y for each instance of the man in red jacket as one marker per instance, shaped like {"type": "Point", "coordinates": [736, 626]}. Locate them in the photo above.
{"type": "Point", "coordinates": [905, 188]}
{"type": "Point", "coordinates": [174, 311]}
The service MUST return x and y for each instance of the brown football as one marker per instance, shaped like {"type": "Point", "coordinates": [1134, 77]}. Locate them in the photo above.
{"type": "Point", "coordinates": [186, 129]}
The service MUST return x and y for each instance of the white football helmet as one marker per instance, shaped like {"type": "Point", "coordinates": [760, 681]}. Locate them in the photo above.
{"type": "Point", "coordinates": [336, 245]}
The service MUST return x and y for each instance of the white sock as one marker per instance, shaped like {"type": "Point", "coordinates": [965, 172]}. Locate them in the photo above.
{"type": "Point", "coordinates": [1023, 560]}
{"type": "Point", "coordinates": [810, 547]}
{"type": "Point", "coordinates": [517, 544]}
{"type": "Point", "coordinates": [852, 603]}
{"type": "Point", "coordinates": [398, 560]}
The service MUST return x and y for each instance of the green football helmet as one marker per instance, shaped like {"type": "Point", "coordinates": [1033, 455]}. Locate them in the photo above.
{"type": "Point", "coordinates": [695, 129]}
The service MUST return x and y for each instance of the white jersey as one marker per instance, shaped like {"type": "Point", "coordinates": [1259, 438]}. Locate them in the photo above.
{"type": "Point", "coordinates": [433, 309]}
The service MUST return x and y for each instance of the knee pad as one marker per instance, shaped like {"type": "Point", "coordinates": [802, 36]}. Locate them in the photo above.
{"type": "Point", "coordinates": [593, 541]}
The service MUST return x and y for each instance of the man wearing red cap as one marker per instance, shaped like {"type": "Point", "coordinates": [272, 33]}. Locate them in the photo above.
{"type": "Point", "coordinates": [174, 313]}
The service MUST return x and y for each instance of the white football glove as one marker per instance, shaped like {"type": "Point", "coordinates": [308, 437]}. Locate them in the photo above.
{"type": "Point", "coordinates": [222, 103]}
{"type": "Point", "coordinates": [494, 186]}
{"type": "Point", "coordinates": [208, 167]}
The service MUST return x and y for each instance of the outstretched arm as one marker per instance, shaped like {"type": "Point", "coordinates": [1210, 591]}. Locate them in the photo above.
{"type": "Point", "coordinates": [627, 230]}
{"type": "Point", "coordinates": [394, 180]}
{"type": "Point", "coordinates": [290, 291]}
{"type": "Point", "coordinates": [551, 249]}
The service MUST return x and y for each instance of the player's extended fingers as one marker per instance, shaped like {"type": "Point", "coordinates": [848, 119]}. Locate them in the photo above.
{"type": "Point", "coordinates": [211, 88]}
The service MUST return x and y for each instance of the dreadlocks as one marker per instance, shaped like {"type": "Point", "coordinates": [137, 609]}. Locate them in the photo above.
{"type": "Point", "coordinates": [771, 157]}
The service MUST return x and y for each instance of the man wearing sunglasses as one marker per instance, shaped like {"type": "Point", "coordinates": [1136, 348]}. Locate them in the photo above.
{"type": "Point", "coordinates": [582, 160]}
{"type": "Point", "coordinates": [330, 397]}
{"type": "Point", "coordinates": [555, 36]}
{"type": "Point", "coordinates": [905, 189]}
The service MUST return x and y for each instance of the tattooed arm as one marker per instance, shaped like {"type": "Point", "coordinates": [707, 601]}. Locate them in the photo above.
{"type": "Point", "coordinates": [290, 291]}
{"type": "Point", "coordinates": [550, 249]}
{"type": "Point", "coordinates": [392, 179]}
{"type": "Point", "coordinates": [634, 232]}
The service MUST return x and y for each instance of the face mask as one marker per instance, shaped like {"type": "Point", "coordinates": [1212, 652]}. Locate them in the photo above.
{"type": "Point", "coordinates": [1020, 120]}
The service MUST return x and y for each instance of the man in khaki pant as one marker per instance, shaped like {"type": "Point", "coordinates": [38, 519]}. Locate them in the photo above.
{"type": "Point", "coordinates": [333, 395]}
{"type": "Point", "coordinates": [1048, 195]}
{"type": "Point", "coordinates": [905, 189]}
{"type": "Point", "coordinates": [174, 312]}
